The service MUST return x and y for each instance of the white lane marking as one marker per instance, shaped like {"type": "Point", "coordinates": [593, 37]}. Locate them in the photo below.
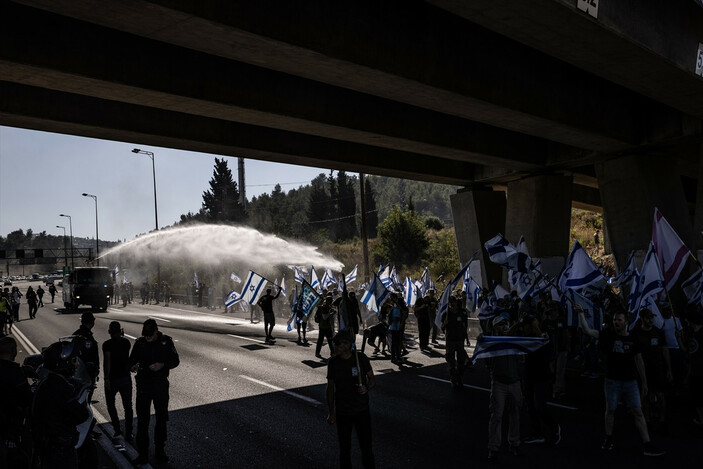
{"type": "Point", "coordinates": [553, 404]}
{"type": "Point", "coordinates": [247, 338]}
{"type": "Point", "coordinates": [133, 338]}
{"type": "Point", "coordinates": [285, 391]}
{"type": "Point", "coordinates": [160, 319]}
{"type": "Point", "coordinates": [24, 341]}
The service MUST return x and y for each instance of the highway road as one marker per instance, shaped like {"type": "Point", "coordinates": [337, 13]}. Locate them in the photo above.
{"type": "Point", "coordinates": [238, 402]}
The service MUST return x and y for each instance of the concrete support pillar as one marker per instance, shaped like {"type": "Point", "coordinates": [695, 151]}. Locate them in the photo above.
{"type": "Point", "coordinates": [479, 215]}
{"type": "Point", "coordinates": [539, 208]}
{"type": "Point", "coordinates": [630, 188]}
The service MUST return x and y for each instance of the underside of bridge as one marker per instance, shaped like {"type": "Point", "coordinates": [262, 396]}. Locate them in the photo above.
{"type": "Point", "coordinates": [596, 109]}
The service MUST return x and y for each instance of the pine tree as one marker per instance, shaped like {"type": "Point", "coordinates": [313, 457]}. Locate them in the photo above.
{"type": "Point", "coordinates": [318, 204]}
{"type": "Point", "coordinates": [333, 207]}
{"type": "Point", "coordinates": [346, 207]}
{"type": "Point", "coordinates": [221, 202]}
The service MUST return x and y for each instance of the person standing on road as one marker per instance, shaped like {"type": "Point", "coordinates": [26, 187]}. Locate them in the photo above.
{"type": "Point", "coordinates": [52, 292]}
{"type": "Point", "coordinates": [5, 313]}
{"type": "Point", "coordinates": [455, 326]}
{"type": "Point", "coordinates": [623, 364]}
{"type": "Point", "coordinates": [31, 302]}
{"type": "Point", "coordinates": [432, 304]}
{"type": "Point", "coordinates": [89, 348]}
{"type": "Point", "coordinates": [15, 297]}
{"type": "Point", "coordinates": [325, 320]}
{"type": "Point", "coordinates": [40, 296]}
{"type": "Point", "coordinates": [117, 378]}
{"type": "Point", "coordinates": [266, 303]}
{"type": "Point", "coordinates": [349, 380]}
{"type": "Point", "coordinates": [152, 357]}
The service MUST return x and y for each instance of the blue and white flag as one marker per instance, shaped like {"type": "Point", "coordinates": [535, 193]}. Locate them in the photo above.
{"type": "Point", "coordinates": [116, 270]}
{"type": "Point", "coordinates": [351, 276]}
{"type": "Point", "coordinates": [650, 304]}
{"type": "Point", "coordinates": [195, 280]}
{"type": "Point", "coordinates": [232, 298]}
{"type": "Point", "coordinates": [473, 292]}
{"type": "Point", "coordinates": [420, 287]}
{"type": "Point", "coordinates": [307, 299]}
{"type": "Point", "coordinates": [409, 292]}
{"type": "Point", "coordinates": [527, 285]}
{"type": "Point", "coordinates": [488, 306]}
{"type": "Point", "coordinates": [579, 270]}
{"type": "Point", "coordinates": [235, 278]}
{"type": "Point", "coordinates": [651, 279]}
{"type": "Point", "coordinates": [500, 346]}
{"type": "Point", "coordinates": [331, 279]}
{"type": "Point", "coordinates": [443, 305]}
{"type": "Point", "coordinates": [670, 250]}
{"type": "Point", "coordinates": [592, 312]}
{"type": "Point", "coordinates": [385, 276]}
{"type": "Point", "coordinates": [396, 284]}
{"type": "Point", "coordinates": [693, 287]}
{"type": "Point", "coordinates": [283, 286]}
{"type": "Point", "coordinates": [375, 295]}
{"type": "Point", "coordinates": [626, 275]}
{"type": "Point", "coordinates": [314, 281]}
{"type": "Point", "coordinates": [499, 249]}
{"type": "Point", "coordinates": [299, 274]}
{"type": "Point", "coordinates": [427, 283]}
{"type": "Point", "coordinates": [253, 288]}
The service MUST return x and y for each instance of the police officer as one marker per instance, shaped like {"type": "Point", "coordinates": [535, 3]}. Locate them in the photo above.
{"type": "Point", "coordinates": [88, 350]}
{"type": "Point", "coordinates": [153, 355]}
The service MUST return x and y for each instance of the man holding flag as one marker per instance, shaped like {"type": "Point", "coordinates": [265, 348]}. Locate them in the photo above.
{"type": "Point", "coordinates": [266, 304]}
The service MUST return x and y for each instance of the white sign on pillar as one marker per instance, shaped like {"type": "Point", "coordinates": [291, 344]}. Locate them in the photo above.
{"type": "Point", "coordinates": [589, 6]}
{"type": "Point", "coordinates": [699, 61]}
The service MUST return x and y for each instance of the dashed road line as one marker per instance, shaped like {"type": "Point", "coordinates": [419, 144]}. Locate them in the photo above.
{"type": "Point", "coordinates": [247, 338]}
{"type": "Point", "coordinates": [307, 399]}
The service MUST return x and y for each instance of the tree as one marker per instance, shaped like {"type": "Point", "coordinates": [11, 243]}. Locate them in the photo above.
{"type": "Point", "coordinates": [318, 204]}
{"type": "Point", "coordinates": [332, 204]}
{"type": "Point", "coordinates": [346, 207]}
{"type": "Point", "coordinates": [442, 255]}
{"type": "Point", "coordinates": [403, 238]}
{"type": "Point", "coordinates": [221, 202]}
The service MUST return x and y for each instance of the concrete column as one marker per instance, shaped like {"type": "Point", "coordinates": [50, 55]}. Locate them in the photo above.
{"type": "Point", "coordinates": [539, 208]}
{"type": "Point", "coordinates": [630, 188]}
{"type": "Point", "coordinates": [479, 215]}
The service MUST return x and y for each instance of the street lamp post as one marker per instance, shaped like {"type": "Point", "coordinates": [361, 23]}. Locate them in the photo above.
{"type": "Point", "coordinates": [156, 210]}
{"type": "Point", "coordinates": [70, 227]}
{"type": "Point", "coordinates": [65, 254]}
{"type": "Point", "coordinates": [97, 248]}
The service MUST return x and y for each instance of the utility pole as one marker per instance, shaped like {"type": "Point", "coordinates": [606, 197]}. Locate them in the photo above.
{"type": "Point", "coordinates": [242, 186]}
{"type": "Point", "coordinates": [364, 238]}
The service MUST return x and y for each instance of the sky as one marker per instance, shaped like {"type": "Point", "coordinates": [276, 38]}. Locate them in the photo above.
{"type": "Point", "coordinates": [43, 175]}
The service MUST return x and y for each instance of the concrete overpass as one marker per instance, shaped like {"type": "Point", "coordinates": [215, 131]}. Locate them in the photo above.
{"type": "Point", "coordinates": [542, 101]}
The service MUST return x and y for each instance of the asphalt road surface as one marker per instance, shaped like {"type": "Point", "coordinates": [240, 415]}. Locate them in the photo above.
{"type": "Point", "coordinates": [238, 402]}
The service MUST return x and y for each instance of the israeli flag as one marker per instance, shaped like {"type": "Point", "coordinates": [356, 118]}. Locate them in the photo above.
{"type": "Point", "coordinates": [351, 276]}
{"type": "Point", "coordinates": [385, 276]}
{"type": "Point", "coordinates": [626, 275]}
{"type": "Point", "coordinates": [420, 287]}
{"type": "Point", "coordinates": [579, 270]}
{"type": "Point", "coordinates": [500, 346]}
{"type": "Point", "coordinates": [409, 292]}
{"type": "Point", "coordinates": [670, 250]}
{"type": "Point", "coordinates": [443, 305]}
{"type": "Point", "coordinates": [232, 298]}
{"type": "Point", "coordinates": [283, 286]}
{"type": "Point", "coordinates": [499, 249]}
{"type": "Point", "coordinates": [693, 287]}
{"type": "Point", "coordinates": [235, 278]}
{"type": "Point", "coordinates": [375, 295]}
{"type": "Point", "coordinates": [426, 279]}
{"type": "Point", "coordinates": [650, 304]}
{"type": "Point", "coordinates": [314, 281]}
{"type": "Point", "coordinates": [299, 274]}
{"type": "Point", "coordinates": [473, 292]}
{"type": "Point", "coordinates": [526, 285]}
{"type": "Point", "coordinates": [253, 288]}
{"type": "Point", "coordinates": [397, 286]}
{"type": "Point", "coordinates": [195, 280]}
{"type": "Point", "coordinates": [592, 312]}
{"type": "Point", "coordinates": [116, 270]}
{"type": "Point", "coordinates": [651, 280]}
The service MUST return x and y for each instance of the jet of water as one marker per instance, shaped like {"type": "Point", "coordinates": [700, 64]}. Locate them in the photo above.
{"type": "Point", "coordinates": [221, 245]}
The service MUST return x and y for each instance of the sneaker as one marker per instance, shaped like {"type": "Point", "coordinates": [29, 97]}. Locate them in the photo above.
{"type": "Point", "coordinates": [557, 436]}
{"type": "Point", "coordinates": [535, 440]}
{"type": "Point", "coordinates": [492, 455]}
{"type": "Point", "coordinates": [652, 451]}
{"type": "Point", "coordinates": [607, 443]}
{"type": "Point", "coordinates": [317, 355]}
